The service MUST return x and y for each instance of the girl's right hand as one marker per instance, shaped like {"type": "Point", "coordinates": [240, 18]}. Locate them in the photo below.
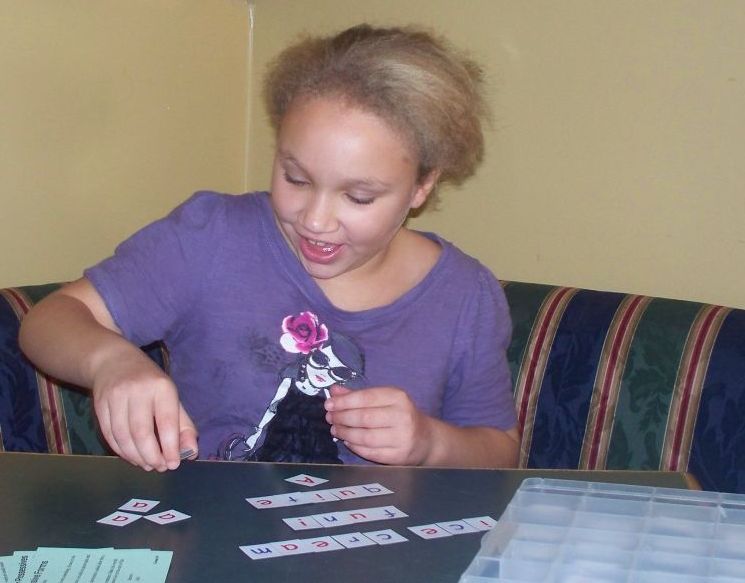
{"type": "Point", "coordinates": [139, 412]}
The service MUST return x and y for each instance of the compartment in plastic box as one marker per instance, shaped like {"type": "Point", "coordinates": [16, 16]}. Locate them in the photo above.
{"type": "Point", "coordinates": [562, 531]}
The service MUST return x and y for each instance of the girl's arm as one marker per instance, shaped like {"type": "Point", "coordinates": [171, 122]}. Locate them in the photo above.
{"type": "Point", "coordinates": [71, 335]}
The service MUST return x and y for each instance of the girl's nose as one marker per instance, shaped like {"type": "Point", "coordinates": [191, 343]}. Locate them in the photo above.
{"type": "Point", "coordinates": [319, 214]}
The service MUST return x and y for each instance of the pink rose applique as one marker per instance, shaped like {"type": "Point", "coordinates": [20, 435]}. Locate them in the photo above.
{"type": "Point", "coordinates": [302, 333]}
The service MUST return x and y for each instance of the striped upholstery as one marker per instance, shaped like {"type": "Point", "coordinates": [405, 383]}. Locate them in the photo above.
{"type": "Point", "coordinates": [37, 412]}
{"type": "Point", "coordinates": [602, 380]}
{"type": "Point", "coordinates": [612, 381]}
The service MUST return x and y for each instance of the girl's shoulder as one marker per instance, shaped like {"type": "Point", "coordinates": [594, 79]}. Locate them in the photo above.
{"type": "Point", "coordinates": [205, 204]}
{"type": "Point", "coordinates": [457, 265]}
{"type": "Point", "coordinates": [455, 280]}
{"type": "Point", "coordinates": [459, 279]}
{"type": "Point", "coordinates": [208, 213]}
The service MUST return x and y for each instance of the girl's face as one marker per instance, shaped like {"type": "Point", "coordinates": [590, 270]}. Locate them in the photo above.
{"type": "Point", "coordinates": [343, 184]}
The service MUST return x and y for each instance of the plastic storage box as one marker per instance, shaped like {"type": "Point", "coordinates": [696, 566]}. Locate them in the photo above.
{"type": "Point", "coordinates": [570, 532]}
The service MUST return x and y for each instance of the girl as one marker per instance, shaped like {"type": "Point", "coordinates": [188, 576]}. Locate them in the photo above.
{"type": "Point", "coordinates": [368, 122]}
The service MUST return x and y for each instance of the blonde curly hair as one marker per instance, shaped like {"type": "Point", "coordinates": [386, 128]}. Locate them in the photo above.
{"type": "Point", "coordinates": [415, 81]}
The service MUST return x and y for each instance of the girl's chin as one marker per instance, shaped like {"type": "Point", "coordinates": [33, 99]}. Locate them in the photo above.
{"type": "Point", "coordinates": [321, 272]}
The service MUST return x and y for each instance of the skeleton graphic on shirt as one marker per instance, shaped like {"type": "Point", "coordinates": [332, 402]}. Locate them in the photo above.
{"type": "Point", "coordinates": [324, 359]}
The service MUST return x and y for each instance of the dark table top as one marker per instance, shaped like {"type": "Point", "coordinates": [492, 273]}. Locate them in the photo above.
{"type": "Point", "coordinates": [55, 500]}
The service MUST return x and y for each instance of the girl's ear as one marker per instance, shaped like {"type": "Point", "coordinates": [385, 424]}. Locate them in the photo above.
{"type": "Point", "coordinates": [425, 187]}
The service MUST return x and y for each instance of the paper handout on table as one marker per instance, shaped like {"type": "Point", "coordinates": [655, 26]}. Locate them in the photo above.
{"type": "Point", "coordinates": [60, 564]}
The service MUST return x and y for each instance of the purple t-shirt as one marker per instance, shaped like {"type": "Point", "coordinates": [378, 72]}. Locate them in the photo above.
{"type": "Point", "coordinates": [254, 342]}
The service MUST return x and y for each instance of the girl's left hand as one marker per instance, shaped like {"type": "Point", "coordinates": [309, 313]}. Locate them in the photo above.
{"type": "Point", "coordinates": [380, 424]}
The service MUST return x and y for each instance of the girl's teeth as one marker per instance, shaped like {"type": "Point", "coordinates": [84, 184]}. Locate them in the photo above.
{"type": "Point", "coordinates": [323, 245]}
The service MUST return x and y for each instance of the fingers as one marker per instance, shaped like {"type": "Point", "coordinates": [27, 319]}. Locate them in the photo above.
{"type": "Point", "coordinates": [143, 423]}
{"type": "Point", "coordinates": [381, 424]}
{"type": "Point", "coordinates": [113, 417]}
{"type": "Point", "coordinates": [379, 407]}
{"type": "Point", "coordinates": [167, 414]}
{"type": "Point", "coordinates": [388, 456]}
{"type": "Point", "coordinates": [377, 445]}
{"type": "Point", "coordinates": [115, 421]}
{"type": "Point", "coordinates": [343, 398]}
{"type": "Point", "coordinates": [340, 390]}
{"type": "Point", "coordinates": [104, 424]}
{"type": "Point", "coordinates": [140, 440]}
{"type": "Point", "coordinates": [188, 447]}
{"type": "Point", "coordinates": [364, 437]}
{"type": "Point", "coordinates": [134, 424]}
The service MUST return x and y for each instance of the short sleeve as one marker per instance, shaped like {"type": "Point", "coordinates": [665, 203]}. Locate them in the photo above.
{"type": "Point", "coordinates": [154, 276]}
{"type": "Point", "coordinates": [479, 391]}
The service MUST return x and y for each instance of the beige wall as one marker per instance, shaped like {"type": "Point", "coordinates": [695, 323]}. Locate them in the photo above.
{"type": "Point", "coordinates": [616, 160]}
{"type": "Point", "coordinates": [614, 163]}
{"type": "Point", "coordinates": [110, 113]}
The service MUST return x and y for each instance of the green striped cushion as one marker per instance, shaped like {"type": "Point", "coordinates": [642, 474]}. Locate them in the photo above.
{"type": "Point", "coordinates": [608, 380]}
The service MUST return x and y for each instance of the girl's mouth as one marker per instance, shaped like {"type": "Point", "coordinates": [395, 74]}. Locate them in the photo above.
{"type": "Point", "coordinates": [319, 251]}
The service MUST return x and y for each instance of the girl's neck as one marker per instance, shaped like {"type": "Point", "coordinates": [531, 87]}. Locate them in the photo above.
{"type": "Point", "coordinates": [408, 260]}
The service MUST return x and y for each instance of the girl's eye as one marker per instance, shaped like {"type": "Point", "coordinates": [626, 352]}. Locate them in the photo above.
{"type": "Point", "coordinates": [360, 200]}
{"type": "Point", "coordinates": [294, 181]}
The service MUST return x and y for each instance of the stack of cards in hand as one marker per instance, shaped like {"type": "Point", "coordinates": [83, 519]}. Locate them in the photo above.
{"type": "Point", "coordinates": [108, 565]}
